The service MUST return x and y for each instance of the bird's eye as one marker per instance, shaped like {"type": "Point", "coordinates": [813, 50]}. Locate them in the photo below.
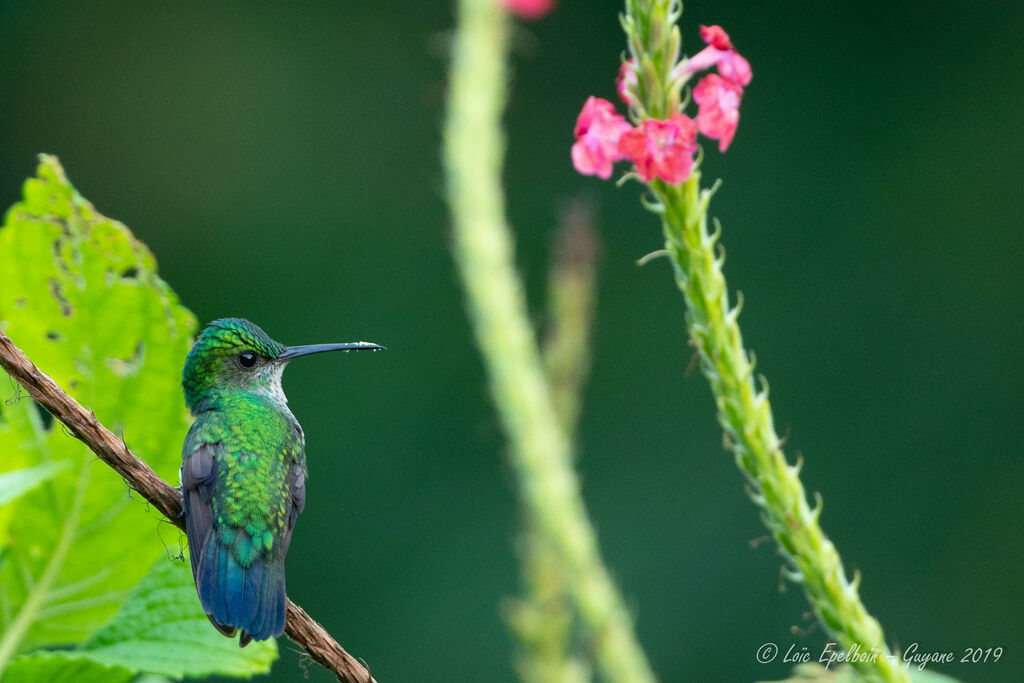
{"type": "Point", "coordinates": [247, 359]}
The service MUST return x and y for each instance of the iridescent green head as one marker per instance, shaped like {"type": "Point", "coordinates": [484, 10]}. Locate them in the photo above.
{"type": "Point", "coordinates": [235, 355]}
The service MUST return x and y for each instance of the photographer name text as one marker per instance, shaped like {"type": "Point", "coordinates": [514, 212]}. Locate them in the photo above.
{"type": "Point", "coordinates": [914, 655]}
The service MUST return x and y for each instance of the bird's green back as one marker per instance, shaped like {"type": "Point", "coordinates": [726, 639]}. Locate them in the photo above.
{"type": "Point", "coordinates": [257, 442]}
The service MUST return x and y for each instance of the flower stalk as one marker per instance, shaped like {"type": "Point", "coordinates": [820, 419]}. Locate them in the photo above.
{"type": "Point", "coordinates": [572, 285]}
{"type": "Point", "coordinates": [744, 411]}
{"type": "Point", "coordinates": [745, 415]}
{"type": "Point", "coordinates": [482, 244]}
{"type": "Point", "coordinates": [543, 620]}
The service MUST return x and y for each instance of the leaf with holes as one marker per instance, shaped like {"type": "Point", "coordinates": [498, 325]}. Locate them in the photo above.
{"type": "Point", "coordinates": [83, 299]}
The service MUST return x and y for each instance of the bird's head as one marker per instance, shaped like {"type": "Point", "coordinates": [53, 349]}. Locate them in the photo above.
{"type": "Point", "coordinates": [235, 355]}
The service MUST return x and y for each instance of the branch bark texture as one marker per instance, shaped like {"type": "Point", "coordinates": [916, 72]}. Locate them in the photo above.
{"type": "Point", "coordinates": [111, 449]}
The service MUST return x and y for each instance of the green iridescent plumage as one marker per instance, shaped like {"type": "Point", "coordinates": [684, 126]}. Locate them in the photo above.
{"type": "Point", "coordinates": [243, 474]}
{"type": "Point", "coordinates": [207, 371]}
{"type": "Point", "coordinates": [258, 446]}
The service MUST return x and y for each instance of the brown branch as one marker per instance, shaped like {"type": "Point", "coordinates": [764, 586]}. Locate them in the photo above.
{"type": "Point", "coordinates": [300, 627]}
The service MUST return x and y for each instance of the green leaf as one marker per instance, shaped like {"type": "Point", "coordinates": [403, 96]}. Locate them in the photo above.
{"type": "Point", "coordinates": [63, 667]}
{"type": "Point", "coordinates": [161, 629]}
{"type": "Point", "coordinates": [14, 484]}
{"type": "Point", "coordinates": [17, 483]}
{"type": "Point", "coordinates": [81, 296]}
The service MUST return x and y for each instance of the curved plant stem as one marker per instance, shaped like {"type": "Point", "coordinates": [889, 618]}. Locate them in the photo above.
{"type": "Point", "coordinates": [746, 417]}
{"type": "Point", "coordinates": [483, 254]}
{"type": "Point", "coordinates": [543, 620]}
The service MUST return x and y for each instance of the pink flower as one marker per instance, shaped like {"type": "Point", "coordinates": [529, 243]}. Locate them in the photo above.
{"type": "Point", "coordinates": [735, 68]}
{"type": "Point", "coordinates": [528, 9]}
{"type": "Point", "coordinates": [721, 53]}
{"type": "Point", "coordinates": [662, 148]}
{"type": "Point", "coordinates": [598, 130]}
{"type": "Point", "coordinates": [718, 100]}
{"type": "Point", "coordinates": [716, 37]}
{"type": "Point", "coordinates": [627, 81]}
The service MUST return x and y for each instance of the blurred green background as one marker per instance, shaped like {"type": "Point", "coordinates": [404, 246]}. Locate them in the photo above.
{"type": "Point", "coordinates": [281, 160]}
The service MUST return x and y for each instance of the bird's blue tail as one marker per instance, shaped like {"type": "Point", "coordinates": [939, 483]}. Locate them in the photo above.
{"type": "Point", "coordinates": [248, 598]}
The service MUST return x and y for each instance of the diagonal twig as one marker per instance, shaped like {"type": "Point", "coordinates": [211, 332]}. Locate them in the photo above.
{"type": "Point", "coordinates": [109, 447]}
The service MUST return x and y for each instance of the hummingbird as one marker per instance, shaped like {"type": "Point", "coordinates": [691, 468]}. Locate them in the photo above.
{"type": "Point", "coordinates": [243, 474]}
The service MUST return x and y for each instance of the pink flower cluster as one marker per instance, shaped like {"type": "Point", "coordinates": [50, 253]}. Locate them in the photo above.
{"type": "Point", "coordinates": [528, 9]}
{"type": "Point", "coordinates": [665, 149]}
{"type": "Point", "coordinates": [718, 95]}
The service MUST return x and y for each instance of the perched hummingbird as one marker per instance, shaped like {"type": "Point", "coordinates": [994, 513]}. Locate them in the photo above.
{"type": "Point", "coordinates": [243, 474]}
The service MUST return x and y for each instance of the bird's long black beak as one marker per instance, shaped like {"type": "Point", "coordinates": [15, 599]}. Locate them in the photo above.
{"type": "Point", "coordinates": [297, 351]}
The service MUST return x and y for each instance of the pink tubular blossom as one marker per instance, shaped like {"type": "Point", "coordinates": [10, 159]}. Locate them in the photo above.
{"type": "Point", "coordinates": [721, 53]}
{"type": "Point", "coordinates": [528, 9]}
{"type": "Point", "coordinates": [718, 100]}
{"type": "Point", "coordinates": [598, 130]}
{"type": "Point", "coordinates": [627, 80]}
{"type": "Point", "coordinates": [733, 67]}
{"type": "Point", "coordinates": [662, 149]}
{"type": "Point", "coordinates": [716, 37]}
